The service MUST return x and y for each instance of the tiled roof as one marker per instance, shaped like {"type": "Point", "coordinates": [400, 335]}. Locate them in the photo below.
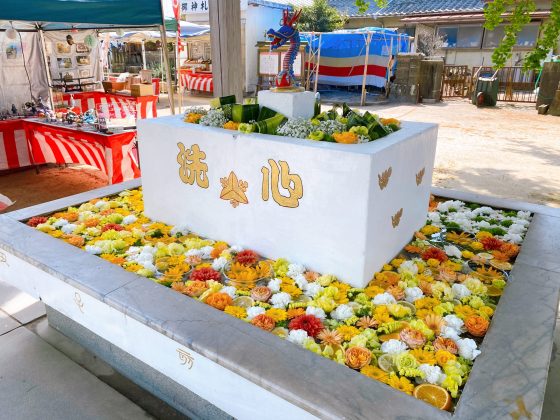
{"type": "Point", "coordinates": [410, 7]}
{"type": "Point", "coordinates": [282, 4]}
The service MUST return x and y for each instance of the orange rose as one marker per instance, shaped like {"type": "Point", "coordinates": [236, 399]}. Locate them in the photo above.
{"type": "Point", "coordinates": [264, 322]}
{"type": "Point", "coordinates": [219, 300]}
{"type": "Point", "coordinates": [446, 344]}
{"type": "Point", "coordinates": [195, 288]}
{"type": "Point", "coordinates": [218, 249]}
{"type": "Point", "coordinates": [443, 356]}
{"type": "Point", "coordinates": [346, 138]}
{"type": "Point", "coordinates": [357, 357]}
{"type": "Point", "coordinates": [91, 222]}
{"type": "Point", "coordinates": [75, 240]}
{"type": "Point", "coordinates": [477, 325]}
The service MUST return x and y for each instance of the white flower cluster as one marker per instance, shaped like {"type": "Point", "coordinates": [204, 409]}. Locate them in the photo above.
{"type": "Point", "coordinates": [510, 226]}
{"type": "Point", "coordinates": [330, 127]}
{"type": "Point", "coordinates": [196, 110]}
{"type": "Point", "coordinates": [214, 118]}
{"type": "Point", "coordinates": [296, 127]}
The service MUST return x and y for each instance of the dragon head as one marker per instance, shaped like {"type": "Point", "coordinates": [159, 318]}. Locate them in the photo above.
{"type": "Point", "coordinates": [286, 31]}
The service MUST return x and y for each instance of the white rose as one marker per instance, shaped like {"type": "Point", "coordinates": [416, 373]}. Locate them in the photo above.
{"type": "Point", "coordinates": [412, 294]}
{"type": "Point", "coordinates": [524, 215]}
{"type": "Point", "coordinates": [205, 252]}
{"type": "Point", "coordinates": [219, 263]}
{"type": "Point", "coordinates": [460, 290]}
{"type": "Point", "coordinates": [408, 267]}
{"type": "Point", "coordinates": [393, 346]}
{"type": "Point", "coordinates": [182, 229]}
{"type": "Point", "coordinates": [230, 290]}
{"type": "Point", "coordinates": [60, 223]}
{"type": "Point", "coordinates": [467, 348]}
{"type": "Point", "coordinates": [127, 220]}
{"type": "Point", "coordinates": [68, 228]}
{"type": "Point", "coordinates": [236, 248]}
{"type": "Point", "coordinates": [312, 289]}
{"type": "Point", "coordinates": [432, 374]}
{"type": "Point", "coordinates": [194, 253]}
{"type": "Point", "coordinates": [452, 251]}
{"type": "Point", "coordinates": [280, 300]}
{"type": "Point", "coordinates": [450, 332]}
{"type": "Point", "coordinates": [342, 312]}
{"type": "Point", "coordinates": [297, 336]}
{"type": "Point", "coordinates": [384, 299]}
{"type": "Point", "coordinates": [295, 269]}
{"type": "Point", "coordinates": [454, 322]}
{"type": "Point", "coordinates": [253, 311]}
{"type": "Point", "coordinates": [513, 237]}
{"type": "Point", "coordinates": [317, 312]}
{"type": "Point", "coordinates": [92, 249]}
{"type": "Point", "coordinates": [301, 281]}
{"type": "Point", "coordinates": [274, 285]}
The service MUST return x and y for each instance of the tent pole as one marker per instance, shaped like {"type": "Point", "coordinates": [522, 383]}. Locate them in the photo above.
{"type": "Point", "coordinates": [363, 98]}
{"type": "Point", "coordinates": [46, 62]}
{"type": "Point", "coordinates": [143, 56]}
{"type": "Point", "coordinates": [167, 70]}
{"type": "Point", "coordinates": [318, 64]}
{"type": "Point", "coordinates": [390, 65]}
{"type": "Point", "coordinates": [178, 67]}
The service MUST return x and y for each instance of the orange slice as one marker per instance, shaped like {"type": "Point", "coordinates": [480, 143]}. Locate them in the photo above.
{"type": "Point", "coordinates": [434, 395]}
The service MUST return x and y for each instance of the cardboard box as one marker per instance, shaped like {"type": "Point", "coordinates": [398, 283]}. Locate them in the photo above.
{"type": "Point", "coordinates": [141, 89]}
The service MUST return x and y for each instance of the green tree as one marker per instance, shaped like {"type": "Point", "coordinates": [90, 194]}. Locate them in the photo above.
{"type": "Point", "coordinates": [320, 17]}
{"type": "Point", "coordinates": [519, 15]}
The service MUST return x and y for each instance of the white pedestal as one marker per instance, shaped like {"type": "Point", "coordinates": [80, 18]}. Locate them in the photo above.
{"type": "Point", "coordinates": [290, 104]}
{"type": "Point", "coordinates": [358, 205]}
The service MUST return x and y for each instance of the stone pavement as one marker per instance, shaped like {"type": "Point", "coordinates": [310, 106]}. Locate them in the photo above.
{"type": "Point", "coordinates": [44, 375]}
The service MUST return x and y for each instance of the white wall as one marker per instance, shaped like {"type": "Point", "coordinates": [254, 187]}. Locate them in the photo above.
{"type": "Point", "coordinates": [258, 20]}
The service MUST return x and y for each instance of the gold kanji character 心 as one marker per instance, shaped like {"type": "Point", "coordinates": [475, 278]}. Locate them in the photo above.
{"type": "Point", "coordinates": [290, 182]}
{"type": "Point", "coordinates": [192, 166]}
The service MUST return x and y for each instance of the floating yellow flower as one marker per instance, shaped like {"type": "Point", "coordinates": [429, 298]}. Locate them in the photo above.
{"type": "Point", "coordinates": [291, 289]}
{"type": "Point", "coordinates": [346, 137]}
{"type": "Point", "coordinates": [424, 356]}
{"type": "Point", "coordinates": [374, 372]}
{"type": "Point", "coordinates": [193, 117]}
{"type": "Point", "coordinates": [231, 125]}
{"type": "Point", "coordinates": [464, 311]}
{"type": "Point", "coordinates": [372, 291]}
{"type": "Point", "coordinates": [400, 383]}
{"type": "Point", "coordinates": [348, 332]}
{"type": "Point", "coordinates": [276, 314]}
{"type": "Point", "coordinates": [236, 311]}
{"type": "Point", "coordinates": [430, 229]}
{"type": "Point", "coordinates": [443, 356]}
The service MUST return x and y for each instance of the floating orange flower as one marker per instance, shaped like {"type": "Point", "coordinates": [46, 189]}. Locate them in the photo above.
{"type": "Point", "coordinates": [261, 293]}
{"type": "Point", "coordinates": [219, 300]}
{"type": "Point", "coordinates": [193, 117]}
{"type": "Point", "coordinates": [195, 288]}
{"type": "Point", "coordinates": [491, 243]}
{"type": "Point", "coordinates": [37, 220]}
{"type": "Point", "coordinates": [264, 322]}
{"type": "Point", "coordinates": [231, 125]}
{"type": "Point", "coordinates": [219, 247]}
{"type": "Point", "coordinates": [434, 253]}
{"type": "Point", "coordinates": [424, 356]}
{"type": "Point", "coordinates": [443, 356]}
{"type": "Point", "coordinates": [76, 241]}
{"type": "Point", "coordinates": [446, 344]}
{"type": "Point", "coordinates": [346, 137]}
{"type": "Point", "coordinates": [374, 372]}
{"type": "Point", "coordinates": [434, 322]}
{"type": "Point", "coordinates": [413, 338]}
{"type": "Point", "coordinates": [294, 312]}
{"type": "Point", "coordinates": [477, 325]}
{"type": "Point", "coordinates": [330, 337]}
{"type": "Point", "coordinates": [357, 357]}
{"type": "Point", "coordinates": [396, 291]}
{"type": "Point", "coordinates": [367, 322]}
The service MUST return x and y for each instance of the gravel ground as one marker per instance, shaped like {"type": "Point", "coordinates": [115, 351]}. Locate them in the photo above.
{"type": "Point", "coordinates": [508, 151]}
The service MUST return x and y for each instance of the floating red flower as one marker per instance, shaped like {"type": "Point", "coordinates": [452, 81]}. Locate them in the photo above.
{"type": "Point", "coordinates": [309, 323]}
{"type": "Point", "coordinates": [434, 253]}
{"type": "Point", "coordinates": [491, 243]}
{"type": "Point", "coordinates": [34, 221]}
{"type": "Point", "coordinates": [247, 257]}
{"type": "Point", "coordinates": [112, 226]}
{"type": "Point", "coordinates": [205, 273]}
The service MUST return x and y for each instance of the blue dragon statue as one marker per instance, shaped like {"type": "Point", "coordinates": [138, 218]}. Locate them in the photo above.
{"type": "Point", "coordinates": [287, 32]}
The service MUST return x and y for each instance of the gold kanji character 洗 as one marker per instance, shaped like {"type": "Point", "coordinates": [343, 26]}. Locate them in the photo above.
{"type": "Point", "coordinates": [192, 166]}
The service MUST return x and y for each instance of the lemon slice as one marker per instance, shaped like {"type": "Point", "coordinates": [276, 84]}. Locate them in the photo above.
{"type": "Point", "coordinates": [280, 332]}
{"type": "Point", "coordinates": [408, 305]}
{"type": "Point", "coordinates": [485, 255]}
{"type": "Point", "coordinates": [500, 265]}
{"type": "Point", "coordinates": [243, 301]}
{"type": "Point", "coordinates": [385, 362]}
{"type": "Point", "coordinates": [302, 299]}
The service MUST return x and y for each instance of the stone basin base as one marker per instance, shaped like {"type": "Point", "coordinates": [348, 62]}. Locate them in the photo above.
{"type": "Point", "coordinates": [185, 352]}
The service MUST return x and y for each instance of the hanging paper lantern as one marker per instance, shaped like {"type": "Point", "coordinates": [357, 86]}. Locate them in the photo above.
{"type": "Point", "coordinates": [90, 41]}
{"type": "Point", "coordinates": [11, 33]}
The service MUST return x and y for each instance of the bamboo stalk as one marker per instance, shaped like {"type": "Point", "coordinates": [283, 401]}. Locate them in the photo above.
{"type": "Point", "coordinates": [363, 98]}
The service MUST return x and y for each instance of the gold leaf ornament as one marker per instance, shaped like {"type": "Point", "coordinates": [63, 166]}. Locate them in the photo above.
{"type": "Point", "coordinates": [420, 176]}
{"type": "Point", "coordinates": [396, 218]}
{"type": "Point", "coordinates": [383, 177]}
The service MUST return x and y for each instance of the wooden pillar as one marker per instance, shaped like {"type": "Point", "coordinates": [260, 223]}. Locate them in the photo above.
{"type": "Point", "coordinates": [225, 39]}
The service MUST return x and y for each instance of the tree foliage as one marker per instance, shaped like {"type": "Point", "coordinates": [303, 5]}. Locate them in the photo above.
{"type": "Point", "coordinates": [320, 17]}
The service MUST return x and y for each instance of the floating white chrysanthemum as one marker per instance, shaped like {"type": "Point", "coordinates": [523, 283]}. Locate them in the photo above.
{"type": "Point", "coordinates": [393, 346]}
